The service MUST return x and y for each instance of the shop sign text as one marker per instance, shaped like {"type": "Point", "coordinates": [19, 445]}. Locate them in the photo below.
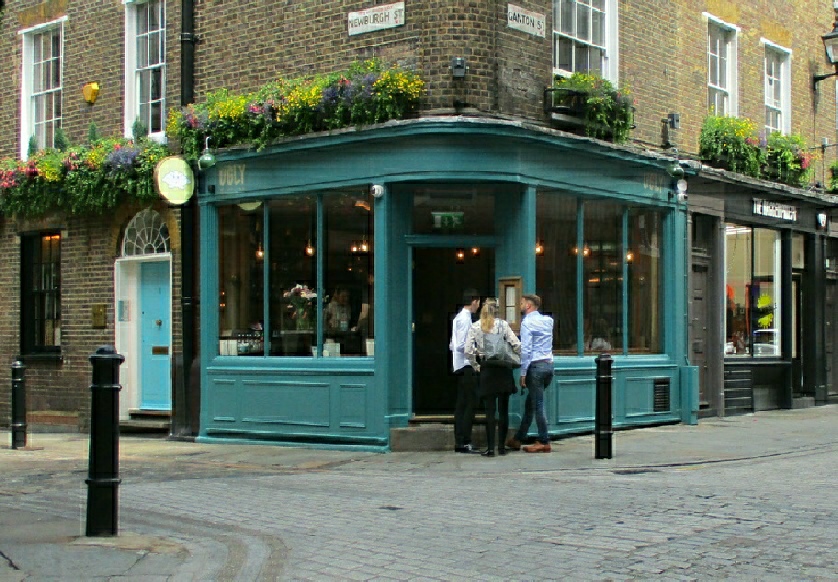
{"type": "Point", "coordinates": [525, 20]}
{"type": "Point", "coordinates": [376, 18]}
{"type": "Point", "coordinates": [231, 175]}
{"type": "Point", "coordinates": [775, 210]}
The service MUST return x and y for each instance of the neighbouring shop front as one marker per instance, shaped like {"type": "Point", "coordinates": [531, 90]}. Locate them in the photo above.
{"type": "Point", "coordinates": [762, 301]}
{"type": "Point", "coordinates": [332, 265]}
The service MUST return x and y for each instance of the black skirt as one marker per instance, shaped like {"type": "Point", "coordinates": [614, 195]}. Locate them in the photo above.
{"type": "Point", "coordinates": [495, 380]}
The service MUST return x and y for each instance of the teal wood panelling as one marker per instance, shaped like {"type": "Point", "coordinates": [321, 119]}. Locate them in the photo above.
{"type": "Point", "coordinates": [296, 403]}
{"type": "Point", "coordinates": [352, 412]}
{"type": "Point", "coordinates": [222, 402]}
{"type": "Point", "coordinates": [575, 402]}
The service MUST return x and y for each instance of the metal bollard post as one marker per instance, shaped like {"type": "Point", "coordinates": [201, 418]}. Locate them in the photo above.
{"type": "Point", "coordinates": [602, 422]}
{"type": "Point", "coordinates": [103, 469]}
{"type": "Point", "coordinates": [18, 405]}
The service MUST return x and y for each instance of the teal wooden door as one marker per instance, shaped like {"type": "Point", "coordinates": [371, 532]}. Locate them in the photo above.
{"type": "Point", "coordinates": [155, 329]}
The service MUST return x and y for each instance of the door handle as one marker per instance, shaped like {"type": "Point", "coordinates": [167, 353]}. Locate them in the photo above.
{"type": "Point", "coordinates": [159, 322]}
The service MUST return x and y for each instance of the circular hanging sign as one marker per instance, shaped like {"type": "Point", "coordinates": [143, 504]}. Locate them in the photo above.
{"type": "Point", "coordinates": [174, 180]}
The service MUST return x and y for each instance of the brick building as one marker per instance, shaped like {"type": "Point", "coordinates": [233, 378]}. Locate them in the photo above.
{"type": "Point", "coordinates": [465, 190]}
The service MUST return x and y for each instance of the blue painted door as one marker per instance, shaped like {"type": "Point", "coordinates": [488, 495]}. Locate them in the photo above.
{"type": "Point", "coordinates": [155, 326]}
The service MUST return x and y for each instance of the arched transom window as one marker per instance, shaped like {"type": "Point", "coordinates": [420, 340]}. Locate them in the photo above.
{"type": "Point", "coordinates": [146, 234]}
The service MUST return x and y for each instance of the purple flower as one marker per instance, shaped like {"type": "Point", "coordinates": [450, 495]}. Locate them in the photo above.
{"type": "Point", "coordinates": [122, 159]}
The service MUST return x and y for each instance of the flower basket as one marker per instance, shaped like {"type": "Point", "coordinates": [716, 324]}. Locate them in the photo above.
{"type": "Point", "coordinates": [603, 111]}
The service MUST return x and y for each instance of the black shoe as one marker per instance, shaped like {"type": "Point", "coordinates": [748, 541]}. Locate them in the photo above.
{"type": "Point", "coordinates": [502, 451]}
{"type": "Point", "coordinates": [489, 453]}
{"type": "Point", "coordinates": [466, 449]}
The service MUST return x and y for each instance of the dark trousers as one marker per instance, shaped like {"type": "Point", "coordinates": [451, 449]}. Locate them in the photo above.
{"type": "Point", "coordinates": [496, 403]}
{"type": "Point", "coordinates": [464, 410]}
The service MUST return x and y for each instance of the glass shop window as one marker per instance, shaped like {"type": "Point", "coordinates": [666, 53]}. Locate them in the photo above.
{"type": "Point", "coordinates": [555, 266]}
{"type": "Point", "coordinates": [348, 326]}
{"type": "Point", "coordinates": [332, 317]}
{"type": "Point", "coordinates": [643, 258]}
{"type": "Point", "coordinates": [292, 275]}
{"type": "Point", "coordinates": [241, 258]}
{"type": "Point", "coordinates": [602, 277]}
{"type": "Point", "coordinates": [752, 292]}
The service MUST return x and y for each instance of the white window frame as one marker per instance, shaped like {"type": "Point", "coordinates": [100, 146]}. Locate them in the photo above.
{"type": "Point", "coordinates": [610, 44]}
{"type": "Point", "coordinates": [132, 96]}
{"type": "Point", "coordinates": [731, 76]}
{"type": "Point", "coordinates": [27, 79]}
{"type": "Point", "coordinates": [783, 108]}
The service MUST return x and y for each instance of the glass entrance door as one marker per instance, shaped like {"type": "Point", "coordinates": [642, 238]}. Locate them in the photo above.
{"type": "Point", "coordinates": [440, 275]}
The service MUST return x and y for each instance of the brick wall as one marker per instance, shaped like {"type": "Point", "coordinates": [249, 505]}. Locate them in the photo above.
{"type": "Point", "coordinates": [664, 60]}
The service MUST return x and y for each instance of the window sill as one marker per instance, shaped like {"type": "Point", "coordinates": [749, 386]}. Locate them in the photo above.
{"type": "Point", "coordinates": [25, 358]}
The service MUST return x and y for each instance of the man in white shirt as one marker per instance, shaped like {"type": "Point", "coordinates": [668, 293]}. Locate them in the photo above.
{"type": "Point", "coordinates": [466, 377]}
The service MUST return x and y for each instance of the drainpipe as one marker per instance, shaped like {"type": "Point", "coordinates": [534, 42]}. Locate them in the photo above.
{"type": "Point", "coordinates": [184, 423]}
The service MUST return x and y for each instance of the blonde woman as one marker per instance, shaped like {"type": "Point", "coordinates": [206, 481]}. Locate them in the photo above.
{"type": "Point", "coordinates": [494, 384]}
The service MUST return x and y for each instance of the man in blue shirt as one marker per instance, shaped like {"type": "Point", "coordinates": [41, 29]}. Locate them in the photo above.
{"type": "Point", "coordinates": [536, 373]}
{"type": "Point", "coordinates": [466, 377]}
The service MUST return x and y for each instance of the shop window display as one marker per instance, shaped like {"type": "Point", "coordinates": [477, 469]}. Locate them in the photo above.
{"type": "Point", "coordinates": [279, 244]}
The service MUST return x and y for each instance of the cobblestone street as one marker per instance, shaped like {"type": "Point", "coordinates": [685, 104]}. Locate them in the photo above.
{"type": "Point", "coordinates": [441, 516]}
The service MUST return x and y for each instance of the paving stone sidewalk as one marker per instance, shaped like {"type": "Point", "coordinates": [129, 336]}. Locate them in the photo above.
{"type": "Point", "coordinates": [749, 497]}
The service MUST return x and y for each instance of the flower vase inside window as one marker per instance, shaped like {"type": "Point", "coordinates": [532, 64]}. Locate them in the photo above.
{"type": "Point", "coordinates": [301, 302]}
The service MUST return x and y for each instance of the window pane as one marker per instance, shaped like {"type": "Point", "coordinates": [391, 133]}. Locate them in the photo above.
{"type": "Point", "coordinates": [765, 293]}
{"type": "Point", "coordinates": [598, 28]}
{"type": "Point", "coordinates": [644, 281]}
{"type": "Point", "coordinates": [240, 269]}
{"type": "Point", "coordinates": [738, 243]}
{"type": "Point", "coordinates": [564, 58]}
{"type": "Point", "coordinates": [555, 269]}
{"type": "Point", "coordinates": [348, 270]}
{"type": "Point", "coordinates": [583, 22]}
{"type": "Point", "coordinates": [293, 275]}
{"type": "Point", "coordinates": [603, 277]}
{"type": "Point", "coordinates": [566, 17]}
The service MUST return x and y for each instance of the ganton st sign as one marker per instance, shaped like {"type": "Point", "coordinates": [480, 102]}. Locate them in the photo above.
{"type": "Point", "coordinates": [525, 20]}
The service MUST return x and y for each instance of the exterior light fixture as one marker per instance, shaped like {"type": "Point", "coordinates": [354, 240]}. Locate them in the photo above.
{"type": "Point", "coordinates": [309, 249]}
{"type": "Point", "coordinates": [207, 160]}
{"type": "Point", "coordinates": [475, 251]}
{"type": "Point", "coordinates": [629, 256]}
{"type": "Point", "coordinates": [260, 253]}
{"type": "Point", "coordinates": [460, 255]}
{"type": "Point", "coordinates": [830, 45]}
{"type": "Point", "coordinates": [90, 91]}
{"type": "Point", "coordinates": [539, 248]}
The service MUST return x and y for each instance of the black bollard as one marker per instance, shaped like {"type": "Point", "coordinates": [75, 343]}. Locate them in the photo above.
{"type": "Point", "coordinates": [103, 469]}
{"type": "Point", "coordinates": [18, 405]}
{"type": "Point", "coordinates": [602, 421]}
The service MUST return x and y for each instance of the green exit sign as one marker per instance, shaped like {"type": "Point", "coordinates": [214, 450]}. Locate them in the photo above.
{"type": "Point", "coordinates": [447, 220]}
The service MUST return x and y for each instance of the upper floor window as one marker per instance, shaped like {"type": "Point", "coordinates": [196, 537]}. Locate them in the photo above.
{"type": "Point", "coordinates": [40, 293]}
{"type": "Point", "coordinates": [721, 68]}
{"type": "Point", "coordinates": [585, 37]}
{"type": "Point", "coordinates": [777, 89]}
{"type": "Point", "coordinates": [145, 66]}
{"type": "Point", "coordinates": [41, 85]}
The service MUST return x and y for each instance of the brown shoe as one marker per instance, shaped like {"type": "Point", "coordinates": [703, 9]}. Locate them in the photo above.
{"type": "Point", "coordinates": [538, 448]}
{"type": "Point", "coordinates": [513, 444]}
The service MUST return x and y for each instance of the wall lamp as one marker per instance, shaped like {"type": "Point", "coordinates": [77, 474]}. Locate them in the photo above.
{"type": "Point", "coordinates": [207, 159]}
{"type": "Point", "coordinates": [830, 45]}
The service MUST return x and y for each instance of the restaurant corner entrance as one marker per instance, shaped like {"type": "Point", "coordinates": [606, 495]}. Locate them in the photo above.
{"type": "Point", "coordinates": [440, 275]}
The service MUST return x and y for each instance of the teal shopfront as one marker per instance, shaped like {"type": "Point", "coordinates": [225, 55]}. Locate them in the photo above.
{"type": "Point", "coordinates": [331, 267]}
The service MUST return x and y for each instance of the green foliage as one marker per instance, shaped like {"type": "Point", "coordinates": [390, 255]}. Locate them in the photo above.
{"type": "Point", "coordinates": [731, 143]}
{"type": "Point", "coordinates": [608, 112]}
{"type": "Point", "coordinates": [139, 129]}
{"type": "Point", "coordinates": [367, 93]}
{"type": "Point", "coordinates": [60, 141]}
{"type": "Point", "coordinates": [93, 133]}
{"type": "Point", "coordinates": [788, 160]}
{"type": "Point", "coordinates": [82, 180]}
{"type": "Point", "coordinates": [32, 146]}
{"type": "Point", "coordinates": [833, 179]}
